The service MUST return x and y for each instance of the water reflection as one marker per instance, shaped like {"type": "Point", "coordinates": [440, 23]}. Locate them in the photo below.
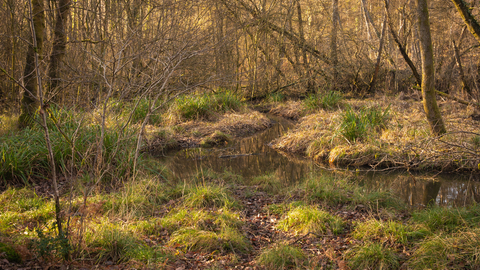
{"type": "Point", "coordinates": [251, 157]}
{"type": "Point", "coordinates": [248, 157]}
{"type": "Point", "coordinates": [424, 190]}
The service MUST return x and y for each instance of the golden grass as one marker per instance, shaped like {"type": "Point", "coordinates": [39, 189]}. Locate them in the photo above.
{"type": "Point", "coordinates": [290, 109]}
{"type": "Point", "coordinates": [406, 142]}
{"type": "Point", "coordinates": [192, 133]}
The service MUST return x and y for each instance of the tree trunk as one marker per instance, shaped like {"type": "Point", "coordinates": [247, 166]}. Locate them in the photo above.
{"type": "Point", "coordinates": [333, 44]}
{"type": "Point", "coordinates": [371, 87]}
{"type": "Point", "coordinates": [59, 44]}
{"type": "Point", "coordinates": [29, 99]}
{"type": "Point", "coordinates": [401, 47]}
{"type": "Point", "coordinates": [468, 18]}
{"type": "Point", "coordinates": [465, 86]}
{"type": "Point", "coordinates": [430, 106]}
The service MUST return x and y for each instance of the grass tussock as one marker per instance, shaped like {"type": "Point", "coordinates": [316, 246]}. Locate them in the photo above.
{"type": "Point", "coordinates": [438, 219]}
{"type": "Point", "coordinates": [206, 105]}
{"type": "Point", "coordinates": [372, 256]}
{"type": "Point", "coordinates": [388, 231]}
{"type": "Point", "coordinates": [310, 219]}
{"type": "Point", "coordinates": [448, 251]}
{"type": "Point", "coordinates": [282, 256]}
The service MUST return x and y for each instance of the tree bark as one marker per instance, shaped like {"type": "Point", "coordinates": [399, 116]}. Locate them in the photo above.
{"type": "Point", "coordinates": [401, 47]}
{"type": "Point", "coordinates": [430, 106]}
{"type": "Point", "coordinates": [371, 87]}
{"type": "Point", "coordinates": [333, 44]}
{"type": "Point", "coordinates": [29, 102]}
{"type": "Point", "coordinates": [59, 44]}
{"type": "Point", "coordinates": [468, 18]}
{"type": "Point", "coordinates": [460, 69]}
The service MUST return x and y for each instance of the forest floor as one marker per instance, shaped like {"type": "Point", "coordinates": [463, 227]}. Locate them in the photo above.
{"type": "Point", "coordinates": [222, 221]}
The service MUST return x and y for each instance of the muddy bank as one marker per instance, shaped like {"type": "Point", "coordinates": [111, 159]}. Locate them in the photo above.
{"type": "Point", "coordinates": [404, 142]}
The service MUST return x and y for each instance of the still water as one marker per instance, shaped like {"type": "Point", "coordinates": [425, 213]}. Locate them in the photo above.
{"type": "Point", "coordinates": [251, 157]}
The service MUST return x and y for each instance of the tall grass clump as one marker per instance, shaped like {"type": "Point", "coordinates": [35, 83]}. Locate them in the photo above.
{"type": "Point", "coordinates": [110, 242]}
{"type": "Point", "coordinates": [448, 219]}
{"type": "Point", "coordinates": [327, 101]}
{"type": "Point", "coordinates": [190, 107]}
{"type": "Point", "coordinates": [282, 256]}
{"type": "Point", "coordinates": [391, 231]}
{"type": "Point", "coordinates": [308, 219]}
{"type": "Point", "coordinates": [372, 256]}
{"type": "Point", "coordinates": [357, 125]}
{"type": "Point", "coordinates": [209, 196]}
{"type": "Point", "coordinates": [448, 251]}
{"type": "Point", "coordinates": [24, 154]}
{"type": "Point", "coordinates": [330, 100]}
{"type": "Point", "coordinates": [276, 97]}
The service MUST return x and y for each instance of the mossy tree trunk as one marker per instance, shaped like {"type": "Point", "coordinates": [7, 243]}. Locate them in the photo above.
{"type": "Point", "coordinates": [59, 44]}
{"type": "Point", "coordinates": [468, 18]}
{"type": "Point", "coordinates": [430, 106]}
{"type": "Point", "coordinates": [29, 103]}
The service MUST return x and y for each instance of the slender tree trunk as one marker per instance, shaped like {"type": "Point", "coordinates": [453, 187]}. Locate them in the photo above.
{"type": "Point", "coordinates": [430, 106]}
{"type": "Point", "coordinates": [371, 87]}
{"type": "Point", "coordinates": [333, 44]}
{"type": "Point", "coordinates": [306, 65]}
{"type": "Point", "coordinates": [29, 102]}
{"type": "Point", "coordinates": [401, 48]}
{"type": "Point", "coordinates": [465, 86]}
{"type": "Point", "coordinates": [59, 44]}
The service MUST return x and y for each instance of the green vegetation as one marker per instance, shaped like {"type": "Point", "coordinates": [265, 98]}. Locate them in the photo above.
{"type": "Point", "coordinates": [448, 219]}
{"type": "Point", "coordinates": [344, 190]}
{"type": "Point", "coordinates": [357, 125]}
{"type": "Point", "coordinates": [9, 253]}
{"type": "Point", "coordinates": [309, 219]}
{"type": "Point", "coordinates": [282, 256]}
{"type": "Point", "coordinates": [205, 105]}
{"type": "Point", "coordinates": [148, 218]}
{"type": "Point", "coordinates": [391, 231]}
{"type": "Point", "coordinates": [372, 256]}
{"type": "Point", "coordinates": [209, 196]}
{"type": "Point", "coordinates": [327, 101]}
{"type": "Point", "coordinates": [448, 251]}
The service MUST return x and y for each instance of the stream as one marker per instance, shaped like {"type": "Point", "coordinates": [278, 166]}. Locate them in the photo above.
{"type": "Point", "coordinates": [252, 157]}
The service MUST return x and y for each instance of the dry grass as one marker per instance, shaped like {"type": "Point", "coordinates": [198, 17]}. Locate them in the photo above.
{"type": "Point", "coordinates": [191, 133]}
{"type": "Point", "coordinates": [405, 142]}
{"type": "Point", "coordinates": [290, 109]}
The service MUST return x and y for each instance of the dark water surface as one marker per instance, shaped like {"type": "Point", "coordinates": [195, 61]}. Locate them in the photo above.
{"type": "Point", "coordinates": [251, 157]}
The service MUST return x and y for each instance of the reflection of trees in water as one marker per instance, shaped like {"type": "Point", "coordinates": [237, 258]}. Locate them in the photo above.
{"type": "Point", "coordinates": [263, 161]}
{"type": "Point", "coordinates": [415, 190]}
{"type": "Point", "coordinates": [420, 191]}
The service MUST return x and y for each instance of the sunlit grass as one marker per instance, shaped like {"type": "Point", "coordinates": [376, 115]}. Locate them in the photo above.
{"type": "Point", "coordinates": [392, 231]}
{"type": "Point", "coordinates": [19, 207]}
{"type": "Point", "coordinates": [448, 219]}
{"type": "Point", "coordinates": [372, 256]}
{"type": "Point", "coordinates": [310, 219]}
{"type": "Point", "coordinates": [448, 251]}
{"type": "Point", "coordinates": [190, 107]}
{"type": "Point", "coordinates": [282, 256]}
